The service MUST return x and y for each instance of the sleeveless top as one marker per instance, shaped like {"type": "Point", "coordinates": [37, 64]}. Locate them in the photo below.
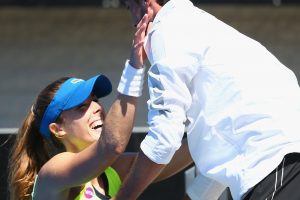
{"type": "Point", "coordinates": [111, 178]}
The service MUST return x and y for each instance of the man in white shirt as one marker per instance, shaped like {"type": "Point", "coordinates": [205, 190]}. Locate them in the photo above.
{"type": "Point", "coordinates": [241, 105]}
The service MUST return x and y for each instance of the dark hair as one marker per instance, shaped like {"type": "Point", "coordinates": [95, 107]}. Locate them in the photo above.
{"type": "Point", "coordinates": [30, 150]}
{"type": "Point", "coordinates": [162, 2]}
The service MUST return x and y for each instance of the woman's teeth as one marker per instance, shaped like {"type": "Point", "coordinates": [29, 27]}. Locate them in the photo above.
{"type": "Point", "coordinates": [97, 124]}
{"type": "Point", "coordinates": [96, 127]}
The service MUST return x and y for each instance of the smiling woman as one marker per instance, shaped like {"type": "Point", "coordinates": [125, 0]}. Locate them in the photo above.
{"type": "Point", "coordinates": [60, 120]}
{"type": "Point", "coordinates": [75, 114]}
{"type": "Point", "coordinates": [58, 152]}
{"type": "Point", "coordinates": [68, 148]}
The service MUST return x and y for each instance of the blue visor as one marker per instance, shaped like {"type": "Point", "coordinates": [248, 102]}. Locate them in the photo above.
{"type": "Point", "coordinates": [72, 93]}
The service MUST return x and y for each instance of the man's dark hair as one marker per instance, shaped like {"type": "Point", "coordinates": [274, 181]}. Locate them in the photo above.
{"type": "Point", "coordinates": [162, 2]}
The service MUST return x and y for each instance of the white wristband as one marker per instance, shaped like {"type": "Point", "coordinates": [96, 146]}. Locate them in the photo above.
{"type": "Point", "coordinates": [132, 80]}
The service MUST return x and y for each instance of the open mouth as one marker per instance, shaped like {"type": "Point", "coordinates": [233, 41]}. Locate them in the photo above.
{"type": "Point", "coordinates": [96, 124]}
{"type": "Point", "coordinates": [96, 127]}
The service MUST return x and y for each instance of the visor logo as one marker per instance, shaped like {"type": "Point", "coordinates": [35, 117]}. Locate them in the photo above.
{"type": "Point", "coordinates": [76, 80]}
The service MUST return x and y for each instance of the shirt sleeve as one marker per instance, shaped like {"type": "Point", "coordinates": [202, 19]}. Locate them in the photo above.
{"type": "Point", "coordinates": [170, 98]}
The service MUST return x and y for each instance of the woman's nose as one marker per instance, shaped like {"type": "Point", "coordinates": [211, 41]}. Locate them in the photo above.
{"type": "Point", "coordinates": [96, 107]}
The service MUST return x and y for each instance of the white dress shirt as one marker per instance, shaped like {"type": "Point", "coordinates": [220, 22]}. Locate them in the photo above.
{"type": "Point", "coordinates": [241, 105]}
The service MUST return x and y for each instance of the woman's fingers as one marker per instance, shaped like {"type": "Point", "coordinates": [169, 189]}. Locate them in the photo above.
{"type": "Point", "coordinates": [142, 21]}
{"type": "Point", "coordinates": [140, 33]}
{"type": "Point", "coordinates": [138, 54]}
{"type": "Point", "coordinates": [150, 14]}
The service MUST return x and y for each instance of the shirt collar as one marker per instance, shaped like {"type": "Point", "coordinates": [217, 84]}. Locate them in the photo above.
{"type": "Point", "coordinates": [169, 6]}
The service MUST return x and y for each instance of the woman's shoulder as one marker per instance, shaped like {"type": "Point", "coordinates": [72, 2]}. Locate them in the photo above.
{"type": "Point", "coordinates": [54, 164]}
{"type": "Point", "coordinates": [49, 180]}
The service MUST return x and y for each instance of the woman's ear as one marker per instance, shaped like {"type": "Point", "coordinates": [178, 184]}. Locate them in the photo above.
{"type": "Point", "coordinates": [57, 130]}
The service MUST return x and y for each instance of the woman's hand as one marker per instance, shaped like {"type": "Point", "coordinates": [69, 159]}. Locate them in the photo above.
{"type": "Point", "coordinates": [138, 55]}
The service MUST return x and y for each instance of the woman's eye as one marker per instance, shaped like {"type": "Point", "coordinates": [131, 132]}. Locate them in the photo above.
{"type": "Point", "coordinates": [95, 100]}
{"type": "Point", "coordinates": [88, 102]}
{"type": "Point", "coordinates": [83, 106]}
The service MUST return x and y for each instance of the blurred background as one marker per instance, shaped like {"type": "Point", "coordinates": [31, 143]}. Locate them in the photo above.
{"type": "Point", "coordinates": [42, 40]}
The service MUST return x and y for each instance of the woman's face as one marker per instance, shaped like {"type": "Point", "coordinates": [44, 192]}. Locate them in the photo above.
{"type": "Point", "coordinates": [83, 124]}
